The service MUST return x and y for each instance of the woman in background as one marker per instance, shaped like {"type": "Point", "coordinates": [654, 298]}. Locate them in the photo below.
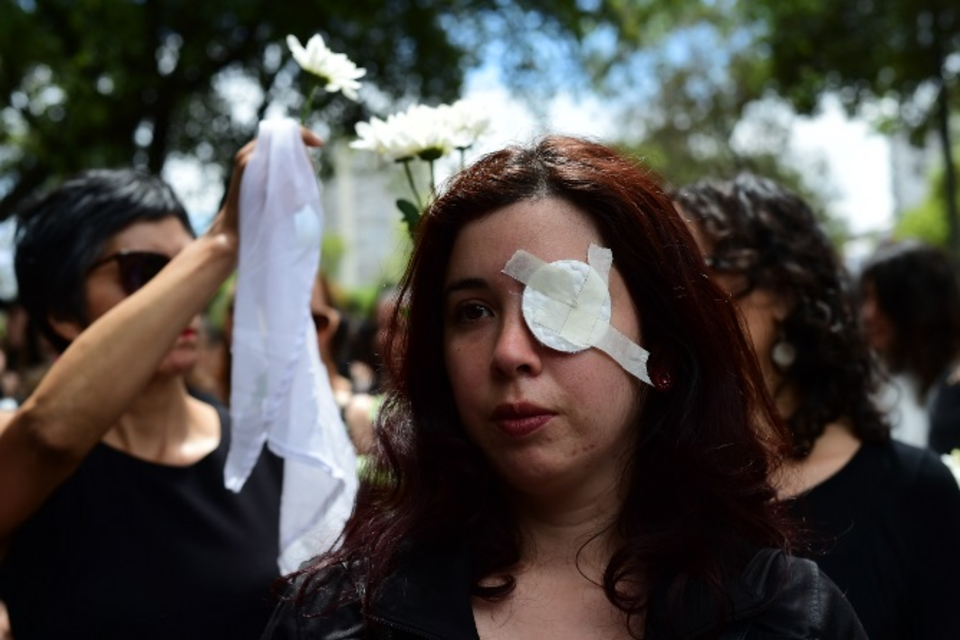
{"type": "Point", "coordinates": [360, 414]}
{"type": "Point", "coordinates": [881, 518]}
{"type": "Point", "coordinates": [329, 325]}
{"type": "Point", "coordinates": [910, 310]}
{"type": "Point", "coordinates": [114, 518]}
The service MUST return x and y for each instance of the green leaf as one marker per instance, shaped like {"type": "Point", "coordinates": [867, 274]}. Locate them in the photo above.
{"type": "Point", "coordinates": [411, 215]}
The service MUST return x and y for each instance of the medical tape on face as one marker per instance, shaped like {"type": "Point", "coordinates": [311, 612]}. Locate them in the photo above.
{"type": "Point", "coordinates": [566, 305]}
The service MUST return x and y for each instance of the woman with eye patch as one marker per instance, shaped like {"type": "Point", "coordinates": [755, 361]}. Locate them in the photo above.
{"type": "Point", "coordinates": [881, 518]}
{"type": "Point", "coordinates": [114, 519]}
{"type": "Point", "coordinates": [567, 447]}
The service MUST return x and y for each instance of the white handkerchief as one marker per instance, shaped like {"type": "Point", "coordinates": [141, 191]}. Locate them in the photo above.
{"type": "Point", "coordinates": [281, 394]}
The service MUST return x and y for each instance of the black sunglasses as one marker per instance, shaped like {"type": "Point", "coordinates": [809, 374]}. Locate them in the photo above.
{"type": "Point", "coordinates": [137, 268]}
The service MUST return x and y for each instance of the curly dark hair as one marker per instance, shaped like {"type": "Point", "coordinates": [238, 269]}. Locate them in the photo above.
{"type": "Point", "coordinates": [698, 499]}
{"type": "Point", "coordinates": [916, 288]}
{"type": "Point", "coordinates": [760, 230]}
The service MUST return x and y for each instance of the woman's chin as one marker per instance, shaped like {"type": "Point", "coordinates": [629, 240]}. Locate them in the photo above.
{"type": "Point", "coordinates": [180, 361]}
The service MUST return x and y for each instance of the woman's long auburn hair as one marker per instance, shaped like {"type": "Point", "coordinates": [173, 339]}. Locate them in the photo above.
{"type": "Point", "coordinates": [698, 501]}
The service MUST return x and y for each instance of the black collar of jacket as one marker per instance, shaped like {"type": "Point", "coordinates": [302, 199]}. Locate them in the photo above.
{"type": "Point", "coordinates": [759, 583]}
{"type": "Point", "coordinates": [429, 595]}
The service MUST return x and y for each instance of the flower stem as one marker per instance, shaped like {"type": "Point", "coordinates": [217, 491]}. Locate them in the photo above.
{"type": "Point", "coordinates": [433, 180]}
{"type": "Point", "coordinates": [309, 103]}
{"type": "Point", "coordinates": [413, 184]}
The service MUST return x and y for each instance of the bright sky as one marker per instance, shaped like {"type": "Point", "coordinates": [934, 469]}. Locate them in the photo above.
{"type": "Point", "coordinates": [859, 159]}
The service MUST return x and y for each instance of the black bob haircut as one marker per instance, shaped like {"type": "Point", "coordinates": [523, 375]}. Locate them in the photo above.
{"type": "Point", "coordinates": [61, 233]}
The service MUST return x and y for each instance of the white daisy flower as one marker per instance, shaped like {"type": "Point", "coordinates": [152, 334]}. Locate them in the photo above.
{"type": "Point", "coordinates": [420, 131]}
{"type": "Point", "coordinates": [425, 133]}
{"type": "Point", "coordinates": [466, 121]}
{"type": "Point", "coordinates": [383, 137]}
{"type": "Point", "coordinates": [336, 70]}
{"type": "Point", "coordinates": [428, 131]}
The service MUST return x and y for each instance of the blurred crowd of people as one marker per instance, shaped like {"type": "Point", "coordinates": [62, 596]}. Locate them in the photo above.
{"type": "Point", "coordinates": [776, 402]}
{"type": "Point", "coordinates": [908, 311]}
{"type": "Point", "coordinates": [349, 337]}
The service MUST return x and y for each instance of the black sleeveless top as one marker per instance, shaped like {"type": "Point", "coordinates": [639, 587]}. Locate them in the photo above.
{"type": "Point", "coordinates": [886, 530]}
{"type": "Point", "coordinates": [135, 550]}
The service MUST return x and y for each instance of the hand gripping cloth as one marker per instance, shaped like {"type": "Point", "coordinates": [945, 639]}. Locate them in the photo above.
{"type": "Point", "coordinates": [281, 394]}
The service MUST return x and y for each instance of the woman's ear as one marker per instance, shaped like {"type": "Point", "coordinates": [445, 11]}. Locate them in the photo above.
{"type": "Point", "coordinates": [782, 306]}
{"type": "Point", "coordinates": [66, 329]}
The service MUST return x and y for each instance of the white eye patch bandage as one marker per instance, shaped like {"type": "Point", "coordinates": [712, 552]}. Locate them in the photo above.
{"type": "Point", "coordinates": [566, 304]}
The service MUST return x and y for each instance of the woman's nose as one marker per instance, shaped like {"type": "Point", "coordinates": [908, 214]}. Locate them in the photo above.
{"type": "Point", "coordinates": [517, 351]}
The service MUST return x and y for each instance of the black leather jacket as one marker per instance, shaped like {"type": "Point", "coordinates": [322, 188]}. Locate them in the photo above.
{"type": "Point", "coordinates": [776, 597]}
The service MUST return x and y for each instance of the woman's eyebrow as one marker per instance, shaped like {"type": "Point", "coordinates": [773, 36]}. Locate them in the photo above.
{"type": "Point", "coordinates": [464, 284]}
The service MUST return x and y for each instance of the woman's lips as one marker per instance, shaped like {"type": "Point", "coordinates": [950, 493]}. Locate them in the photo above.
{"type": "Point", "coordinates": [518, 420]}
{"type": "Point", "coordinates": [189, 332]}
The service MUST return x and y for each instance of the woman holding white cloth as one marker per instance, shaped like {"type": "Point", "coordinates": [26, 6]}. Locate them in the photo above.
{"type": "Point", "coordinates": [114, 521]}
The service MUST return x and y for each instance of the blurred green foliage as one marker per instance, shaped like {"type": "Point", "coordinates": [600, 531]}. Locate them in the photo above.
{"type": "Point", "coordinates": [928, 221]}
{"type": "Point", "coordinates": [887, 59]}
{"type": "Point", "coordinates": [113, 82]}
{"type": "Point", "coordinates": [331, 254]}
{"type": "Point", "coordinates": [99, 83]}
{"type": "Point", "coordinates": [713, 122]}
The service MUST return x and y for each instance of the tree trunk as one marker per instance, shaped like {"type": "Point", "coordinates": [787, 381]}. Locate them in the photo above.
{"type": "Point", "coordinates": [949, 173]}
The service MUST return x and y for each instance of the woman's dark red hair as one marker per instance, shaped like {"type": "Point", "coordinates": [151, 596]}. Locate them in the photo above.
{"type": "Point", "coordinates": [698, 502]}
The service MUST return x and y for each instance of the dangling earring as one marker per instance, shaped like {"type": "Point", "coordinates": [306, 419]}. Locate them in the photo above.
{"type": "Point", "coordinates": [783, 353]}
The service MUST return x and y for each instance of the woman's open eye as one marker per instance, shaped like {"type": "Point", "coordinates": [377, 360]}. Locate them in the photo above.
{"type": "Point", "coordinates": [471, 312]}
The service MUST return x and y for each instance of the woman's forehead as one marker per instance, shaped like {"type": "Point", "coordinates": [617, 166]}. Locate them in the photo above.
{"type": "Point", "coordinates": [165, 235]}
{"type": "Point", "coordinates": [551, 228]}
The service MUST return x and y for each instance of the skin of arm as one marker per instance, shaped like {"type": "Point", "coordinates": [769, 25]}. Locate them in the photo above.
{"type": "Point", "coordinates": [90, 386]}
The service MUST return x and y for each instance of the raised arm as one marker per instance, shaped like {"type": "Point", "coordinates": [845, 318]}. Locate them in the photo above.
{"type": "Point", "coordinates": [91, 385]}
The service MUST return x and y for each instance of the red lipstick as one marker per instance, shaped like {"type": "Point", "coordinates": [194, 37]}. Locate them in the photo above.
{"type": "Point", "coordinates": [520, 419]}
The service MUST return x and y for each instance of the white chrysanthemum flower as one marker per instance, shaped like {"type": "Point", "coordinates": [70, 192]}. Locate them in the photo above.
{"type": "Point", "coordinates": [336, 70]}
{"type": "Point", "coordinates": [382, 137]}
{"type": "Point", "coordinates": [466, 121]}
{"type": "Point", "coordinates": [417, 132]}
{"type": "Point", "coordinates": [427, 130]}
{"type": "Point", "coordinates": [423, 132]}
{"type": "Point", "coordinates": [952, 460]}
